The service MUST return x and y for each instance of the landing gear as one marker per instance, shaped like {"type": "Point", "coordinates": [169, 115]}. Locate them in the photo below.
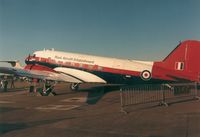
{"type": "Point", "coordinates": [46, 90]}
{"type": "Point", "coordinates": [74, 86]}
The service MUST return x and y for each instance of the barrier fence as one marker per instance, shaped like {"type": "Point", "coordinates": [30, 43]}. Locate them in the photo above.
{"type": "Point", "coordinates": [161, 93]}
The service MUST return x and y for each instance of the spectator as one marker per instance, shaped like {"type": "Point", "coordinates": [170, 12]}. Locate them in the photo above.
{"type": "Point", "coordinates": [1, 83]}
{"type": "Point", "coordinates": [5, 84]}
{"type": "Point", "coordinates": [12, 83]}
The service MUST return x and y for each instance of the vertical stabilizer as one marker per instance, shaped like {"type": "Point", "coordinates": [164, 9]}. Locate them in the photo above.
{"type": "Point", "coordinates": [185, 57]}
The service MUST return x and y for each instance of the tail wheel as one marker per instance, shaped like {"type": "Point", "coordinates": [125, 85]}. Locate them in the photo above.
{"type": "Point", "coordinates": [74, 86]}
{"type": "Point", "coordinates": [146, 75]}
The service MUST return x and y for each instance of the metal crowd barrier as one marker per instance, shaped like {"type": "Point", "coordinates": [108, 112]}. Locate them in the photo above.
{"type": "Point", "coordinates": [161, 93]}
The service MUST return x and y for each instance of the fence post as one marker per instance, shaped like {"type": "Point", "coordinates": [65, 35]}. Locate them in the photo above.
{"type": "Point", "coordinates": [163, 101]}
{"type": "Point", "coordinates": [121, 102]}
{"type": "Point", "coordinates": [196, 91]}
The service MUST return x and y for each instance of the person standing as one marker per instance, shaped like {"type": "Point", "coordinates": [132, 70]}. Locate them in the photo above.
{"type": "Point", "coordinates": [12, 83]}
{"type": "Point", "coordinates": [5, 85]}
{"type": "Point", "coordinates": [1, 83]}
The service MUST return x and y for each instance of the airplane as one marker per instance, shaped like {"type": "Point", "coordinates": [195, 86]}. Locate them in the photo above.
{"type": "Point", "coordinates": [182, 64]}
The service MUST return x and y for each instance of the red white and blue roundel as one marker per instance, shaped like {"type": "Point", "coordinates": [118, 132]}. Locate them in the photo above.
{"type": "Point", "coordinates": [146, 75]}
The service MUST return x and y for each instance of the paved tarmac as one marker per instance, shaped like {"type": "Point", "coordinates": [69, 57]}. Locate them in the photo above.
{"type": "Point", "coordinates": [93, 114]}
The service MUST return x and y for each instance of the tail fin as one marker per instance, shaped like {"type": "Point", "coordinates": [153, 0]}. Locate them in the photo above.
{"type": "Point", "coordinates": [14, 63]}
{"type": "Point", "coordinates": [185, 57]}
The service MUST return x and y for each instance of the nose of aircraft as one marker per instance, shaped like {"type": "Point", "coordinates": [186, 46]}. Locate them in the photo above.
{"type": "Point", "coordinates": [30, 59]}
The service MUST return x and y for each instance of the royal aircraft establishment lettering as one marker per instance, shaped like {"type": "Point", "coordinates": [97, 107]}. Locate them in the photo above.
{"type": "Point", "coordinates": [74, 59]}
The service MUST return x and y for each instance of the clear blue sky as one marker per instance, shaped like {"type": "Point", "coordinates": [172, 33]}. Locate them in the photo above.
{"type": "Point", "coordinates": [135, 29]}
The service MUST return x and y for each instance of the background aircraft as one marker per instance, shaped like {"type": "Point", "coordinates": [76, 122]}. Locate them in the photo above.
{"type": "Point", "coordinates": [182, 64]}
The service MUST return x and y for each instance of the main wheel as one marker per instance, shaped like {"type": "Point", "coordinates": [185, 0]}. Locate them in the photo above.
{"type": "Point", "coordinates": [74, 86]}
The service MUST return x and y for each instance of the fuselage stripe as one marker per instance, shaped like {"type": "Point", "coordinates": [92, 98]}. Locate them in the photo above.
{"type": "Point", "coordinates": [87, 67]}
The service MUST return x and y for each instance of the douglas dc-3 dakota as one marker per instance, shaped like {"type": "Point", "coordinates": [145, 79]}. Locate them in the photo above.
{"type": "Point", "coordinates": [182, 64]}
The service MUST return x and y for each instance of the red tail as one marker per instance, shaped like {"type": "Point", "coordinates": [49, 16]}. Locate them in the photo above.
{"type": "Point", "coordinates": [183, 60]}
{"type": "Point", "coordinates": [185, 57]}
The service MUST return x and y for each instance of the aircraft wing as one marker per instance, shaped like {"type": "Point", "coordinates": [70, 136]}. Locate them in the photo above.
{"type": "Point", "coordinates": [37, 74]}
{"type": "Point", "coordinates": [182, 77]}
{"type": "Point", "coordinates": [80, 75]}
{"type": "Point", "coordinates": [61, 74]}
{"type": "Point", "coordinates": [177, 75]}
{"type": "Point", "coordinates": [179, 78]}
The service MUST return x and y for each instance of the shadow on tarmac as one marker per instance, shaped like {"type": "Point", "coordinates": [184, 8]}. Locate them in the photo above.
{"type": "Point", "coordinates": [96, 93]}
{"type": "Point", "coordinates": [14, 89]}
{"type": "Point", "coordinates": [7, 109]}
{"type": "Point", "coordinates": [8, 127]}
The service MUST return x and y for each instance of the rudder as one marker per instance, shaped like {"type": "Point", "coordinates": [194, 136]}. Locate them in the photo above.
{"type": "Point", "coordinates": [185, 57]}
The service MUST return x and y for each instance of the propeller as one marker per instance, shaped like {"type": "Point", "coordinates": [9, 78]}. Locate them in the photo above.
{"type": "Point", "coordinates": [29, 55]}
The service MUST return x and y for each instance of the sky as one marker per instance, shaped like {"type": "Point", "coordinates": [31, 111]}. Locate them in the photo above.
{"type": "Point", "coordinates": [133, 29]}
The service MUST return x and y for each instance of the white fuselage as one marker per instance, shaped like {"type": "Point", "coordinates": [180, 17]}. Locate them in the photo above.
{"type": "Point", "coordinates": [113, 63]}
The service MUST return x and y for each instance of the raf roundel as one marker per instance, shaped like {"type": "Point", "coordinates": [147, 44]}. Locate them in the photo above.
{"type": "Point", "coordinates": [146, 75]}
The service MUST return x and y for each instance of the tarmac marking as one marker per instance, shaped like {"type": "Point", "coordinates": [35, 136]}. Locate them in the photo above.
{"type": "Point", "coordinates": [75, 99]}
{"type": "Point", "coordinates": [58, 107]}
{"type": "Point", "coordinates": [5, 102]}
